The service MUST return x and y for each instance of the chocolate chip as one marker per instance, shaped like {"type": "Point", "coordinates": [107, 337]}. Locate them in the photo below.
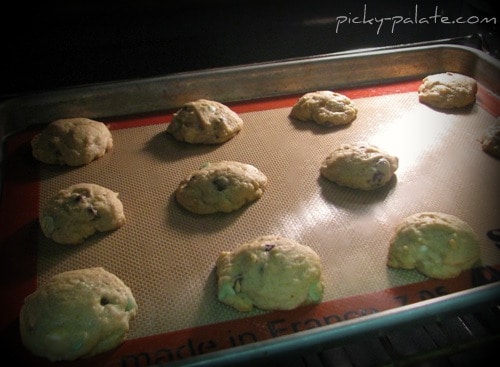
{"type": "Point", "coordinates": [79, 198]}
{"type": "Point", "coordinates": [221, 183]}
{"type": "Point", "coordinates": [377, 177]}
{"type": "Point", "coordinates": [268, 247]}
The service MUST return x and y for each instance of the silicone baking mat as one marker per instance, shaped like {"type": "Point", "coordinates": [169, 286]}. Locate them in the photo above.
{"type": "Point", "coordinates": [166, 255]}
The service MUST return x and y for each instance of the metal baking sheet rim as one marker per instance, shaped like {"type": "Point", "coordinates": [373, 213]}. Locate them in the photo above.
{"type": "Point", "coordinates": [246, 83]}
{"type": "Point", "coordinates": [329, 336]}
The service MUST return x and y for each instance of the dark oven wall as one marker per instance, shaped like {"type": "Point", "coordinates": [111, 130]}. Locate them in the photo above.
{"type": "Point", "coordinates": [58, 44]}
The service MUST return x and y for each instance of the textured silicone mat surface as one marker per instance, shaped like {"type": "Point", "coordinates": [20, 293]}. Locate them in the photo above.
{"type": "Point", "coordinates": [167, 255]}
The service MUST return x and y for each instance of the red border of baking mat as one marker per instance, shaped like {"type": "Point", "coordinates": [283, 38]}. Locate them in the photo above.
{"type": "Point", "coordinates": [18, 250]}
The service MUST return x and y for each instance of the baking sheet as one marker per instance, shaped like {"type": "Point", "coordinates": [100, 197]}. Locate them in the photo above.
{"type": "Point", "coordinates": [442, 168]}
{"type": "Point", "coordinates": [166, 255]}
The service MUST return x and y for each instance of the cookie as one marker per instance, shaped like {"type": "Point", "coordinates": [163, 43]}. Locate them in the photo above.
{"type": "Point", "coordinates": [359, 166]}
{"type": "Point", "coordinates": [72, 142]}
{"type": "Point", "coordinates": [204, 122]}
{"type": "Point", "coordinates": [325, 108]}
{"type": "Point", "coordinates": [77, 314]}
{"type": "Point", "coordinates": [448, 90]}
{"type": "Point", "coordinates": [270, 273]}
{"type": "Point", "coordinates": [490, 142]}
{"type": "Point", "coordinates": [438, 245]}
{"type": "Point", "coordinates": [222, 186]}
{"type": "Point", "coordinates": [77, 212]}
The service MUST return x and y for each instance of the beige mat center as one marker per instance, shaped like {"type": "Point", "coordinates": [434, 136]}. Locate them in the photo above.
{"type": "Point", "coordinates": [167, 255]}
